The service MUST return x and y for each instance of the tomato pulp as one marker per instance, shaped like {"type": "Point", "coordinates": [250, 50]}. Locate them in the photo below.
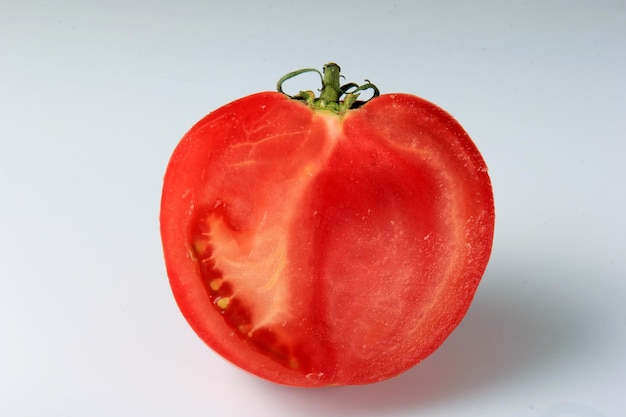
{"type": "Point", "coordinates": [316, 247]}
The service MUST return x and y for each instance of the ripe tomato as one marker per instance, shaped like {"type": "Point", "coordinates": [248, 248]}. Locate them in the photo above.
{"type": "Point", "coordinates": [324, 242]}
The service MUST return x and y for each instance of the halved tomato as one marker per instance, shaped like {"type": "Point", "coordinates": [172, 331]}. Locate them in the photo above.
{"type": "Point", "coordinates": [317, 241]}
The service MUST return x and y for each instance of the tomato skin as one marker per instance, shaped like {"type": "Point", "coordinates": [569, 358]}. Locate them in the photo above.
{"type": "Point", "coordinates": [314, 249]}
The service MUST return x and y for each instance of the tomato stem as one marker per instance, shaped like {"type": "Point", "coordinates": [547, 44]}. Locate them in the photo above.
{"type": "Point", "coordinates": [332, 90]}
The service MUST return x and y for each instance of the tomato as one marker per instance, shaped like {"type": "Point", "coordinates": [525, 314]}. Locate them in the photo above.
{"type": "Point", "coordinates": [317, 241]}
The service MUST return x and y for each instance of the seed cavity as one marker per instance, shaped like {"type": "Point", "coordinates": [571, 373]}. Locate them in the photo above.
{"type": "Point", "coordinates": [274, 343]}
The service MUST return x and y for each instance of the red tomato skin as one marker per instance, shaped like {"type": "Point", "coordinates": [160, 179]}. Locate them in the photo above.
{"type": "Point", "coordinates": [345, 248]}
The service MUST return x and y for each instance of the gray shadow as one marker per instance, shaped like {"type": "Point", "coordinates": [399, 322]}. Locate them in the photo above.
{"type": "Point", "coordinates": [521, 321]}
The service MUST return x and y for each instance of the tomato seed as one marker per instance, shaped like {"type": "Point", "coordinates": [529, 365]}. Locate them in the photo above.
{"type": "Point", "coordinates": [222, 302]}
{"type": "Point", "coordinates": [215, 284]}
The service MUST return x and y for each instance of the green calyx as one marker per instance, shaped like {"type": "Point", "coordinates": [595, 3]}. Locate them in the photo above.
{"type": "Point", "coordinates": [333, 96]}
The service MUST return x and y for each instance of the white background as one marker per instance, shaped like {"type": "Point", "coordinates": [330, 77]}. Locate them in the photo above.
{"type": "Point", "coordinates": [95, 95]}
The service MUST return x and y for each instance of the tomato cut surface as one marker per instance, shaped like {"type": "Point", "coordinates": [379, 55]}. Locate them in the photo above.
{"type": "Point", "coordinates": [314, 248]}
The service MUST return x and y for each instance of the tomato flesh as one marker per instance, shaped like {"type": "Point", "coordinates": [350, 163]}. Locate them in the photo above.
{"type": "Point", "coordinates": [315, 249]}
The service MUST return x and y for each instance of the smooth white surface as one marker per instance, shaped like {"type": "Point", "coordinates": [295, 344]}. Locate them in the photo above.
{"type": "Point", "coordinates": [95, 95]}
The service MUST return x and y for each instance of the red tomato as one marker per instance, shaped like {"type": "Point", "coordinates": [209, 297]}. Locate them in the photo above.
{"type": "Point", "coordinates": [319, 247]}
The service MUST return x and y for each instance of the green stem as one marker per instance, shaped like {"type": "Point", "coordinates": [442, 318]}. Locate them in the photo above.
{"type": "Point", "coordinates": [332, 90]}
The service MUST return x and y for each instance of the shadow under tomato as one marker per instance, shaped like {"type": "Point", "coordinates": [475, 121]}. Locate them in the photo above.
{"type": "Point", "coordinates": [522, 322]}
